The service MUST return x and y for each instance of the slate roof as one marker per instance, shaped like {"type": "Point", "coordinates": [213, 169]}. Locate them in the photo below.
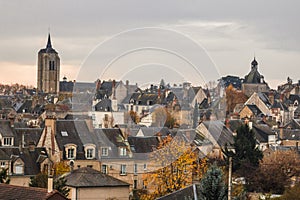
{"type": "Point", "coordinates": [143, 144]}
{"type": "Point", "coordinates": [31, 136]}
{"type": "Point", "coordinates": [278, 104]}
{"type": "Point", "coordinates": [30, 158]}
{"type": "Point", "coordinates": [253, 76]}
{"type": "Point", "coordinates": [261, 132]}
{"type": "Point", "coordinates": [113, 138]}
{"type": "Point", "coordinates": [219, 132]}
{"type": "Point", "coordinates": [254, 109]}
{"type": "Point", "coordinates": [5, 128]}
{"type": "Point", "coordinates": [289, 134]}
{"type": "Point", "coordinates": [187, 193]}
{"type": "Point", "coordinates": [27, 193]}
{"type": "Point", "coordinates": [103, 105]}
{"type": "Point", "coordinates": [293, 124]}
{"type": "Point", "coordinates": [235, 81]}
{"type": "Point", "coordinates": [72, 128]}
{"type": "Point", "coordinates": [25, 107]}
{"type": "Point", "coordinates": [87, 177]}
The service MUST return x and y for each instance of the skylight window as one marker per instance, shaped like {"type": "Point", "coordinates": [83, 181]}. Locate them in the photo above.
{"type": "Point", "coordinates": [64, 133]}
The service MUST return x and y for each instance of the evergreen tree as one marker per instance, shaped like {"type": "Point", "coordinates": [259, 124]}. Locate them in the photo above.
{"type": "Point", "coordinates": [60, 185]}
{"type": "Point", "coordinates": [3, 176]}
{"type": "Point", "coordinates": [40, 180]}
{"type": "Point", "coordinates": [212, 186]}
{"type": "Point", "coordinates": [246, 154]}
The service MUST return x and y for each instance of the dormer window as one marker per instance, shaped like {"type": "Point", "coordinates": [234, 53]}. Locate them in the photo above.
{"type": "Point", "coordinates": [70, 150]}
{"type": "Point", "coordinates": [7, 141]}
{"type": "Point", "coordinates": [104, 151]}
{"type": "Point", "coordinates": [89, 150]}
{"type": "Point", "coordinates": [123, 151]}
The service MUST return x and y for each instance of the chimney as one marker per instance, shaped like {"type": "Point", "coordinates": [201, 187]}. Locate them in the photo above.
{"type": "Point", "coordinates": [50, 183]}
{"type": "Point", "coordinates": [98, 84]}
{"type": "Point", "coordinates": [127, 87]}
{"type": "Point", "coordinates": [281, 133]}
{"type": "Point", "coordinates": [250, 124]}
{"type": "Point", "coordinates": [114, 89]}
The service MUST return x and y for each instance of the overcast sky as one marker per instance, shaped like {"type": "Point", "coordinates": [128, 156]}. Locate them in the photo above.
{"type": "Point", "coordinates": [144, 41]}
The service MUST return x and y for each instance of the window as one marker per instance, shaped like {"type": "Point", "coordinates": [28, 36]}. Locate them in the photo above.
{"type": "Point", "coordinates": [135, 168]}
{"type": "Point", "coordinates": [104, 151]}
{"type": "Point", "coordinates": [123, 170]}
{"type": "Point", "coordinates": [90, 166]}
{"type": "Point", "coordinates": [2, 164]}
{"type": "Point", "coordinates": [90, 153]}
{"type": "Point", "coordinates": [104, 169]}
{"type": "Point", "coordinates": [51, 65]}
{"type": "Point", "coordinates": [64, 133]}
{"type": "Point", "coordinates": [122, 151]}
{"type": "Point", "coordinates": [89, 150]}
{"type": "Point", "coordinates": [70, 153]}
{"type": "Point", "coordinates": [145, 166]}
{"type": "Point", "coordinates": [135, 182]}
{"type": "Point", "coordinates": [19, 169]}
{"type": "Point", "coordinates": [7, 141]}
{"type": "Point", "coordinates": [70, 150]}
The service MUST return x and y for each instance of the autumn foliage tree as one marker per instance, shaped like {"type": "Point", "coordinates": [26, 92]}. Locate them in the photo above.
{"type": "Point", "coordinates": [233, 97]}
{"type": "Point", "coordinates": [172, 167]}
{"type": "Point", "coordinates": [275, 171]}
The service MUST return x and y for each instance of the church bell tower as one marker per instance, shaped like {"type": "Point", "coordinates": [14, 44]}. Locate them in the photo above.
{"type": "Point", "coordinates": [48, 69]}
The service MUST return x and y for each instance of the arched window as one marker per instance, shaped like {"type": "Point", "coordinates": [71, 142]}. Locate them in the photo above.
{"type": "Point", "coordinates": [70, 150]}
{"type": "Point", "coordinates": [89, 150]}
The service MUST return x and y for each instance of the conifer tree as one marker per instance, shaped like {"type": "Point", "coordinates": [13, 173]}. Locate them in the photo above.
{"type": "Point", "coordinates": [212, 186]}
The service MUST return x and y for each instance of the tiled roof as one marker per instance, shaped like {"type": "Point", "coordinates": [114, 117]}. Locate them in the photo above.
{"type": "Point", "coordinates": [88, 177]}
{"type": "Point", "coordinates": [27, 193]}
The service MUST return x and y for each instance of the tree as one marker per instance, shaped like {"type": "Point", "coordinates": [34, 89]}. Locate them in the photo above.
{"type": "Point", "coordinates": [40, 180]}
{"type": "Point", "coordinates": [172, 167]}
{"type": "Point", "coordinates": [275, 171]}
{"type": "Point", "coordinates": [60, 185]}
{"type": "Point", "coordinates": [233, 97]}
{"type": "Point", "coordinates": [291, 193]}
{"type": "Point", "coordinates": [246, 154]}
{"type": "Point", "coordinates": [3, 176]}
{"type": "Point", "coordinates": [212, 185]}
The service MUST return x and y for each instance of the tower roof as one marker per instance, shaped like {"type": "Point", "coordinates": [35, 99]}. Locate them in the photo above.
{"type": "Point", "coordinates": [49, 45]}
{"type": "Point", "coordinates": [254, 76]}
{"type": "Point", "coordinates": [254, 62]}
{"type": "Point", "coordinates": [48, 48]}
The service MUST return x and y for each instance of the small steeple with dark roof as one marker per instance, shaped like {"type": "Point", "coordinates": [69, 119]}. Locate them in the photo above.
{"type": "Point", "coordinates": [254, 63]}
{"type": "Point", "coordinates": [49, 45]}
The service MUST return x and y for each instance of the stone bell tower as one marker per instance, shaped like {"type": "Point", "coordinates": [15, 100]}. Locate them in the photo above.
{"type": "Point", "coordinates": [48, 69]}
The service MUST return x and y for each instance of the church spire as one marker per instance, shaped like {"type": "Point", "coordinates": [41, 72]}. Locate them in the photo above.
{"type": "Point", "coordinates": [49, 45]}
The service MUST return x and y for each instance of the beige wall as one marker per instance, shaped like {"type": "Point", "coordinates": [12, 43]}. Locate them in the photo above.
{"type": "Point", "coordinates": [120, 193]}
{"type": "Point", "coordinates": [20, 180]}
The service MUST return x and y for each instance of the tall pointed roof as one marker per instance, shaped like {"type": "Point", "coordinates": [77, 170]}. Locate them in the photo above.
{"type": "Point", "coordinates": [48, 48]}
{"type": "Point", "coordinates": [49, 45]}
